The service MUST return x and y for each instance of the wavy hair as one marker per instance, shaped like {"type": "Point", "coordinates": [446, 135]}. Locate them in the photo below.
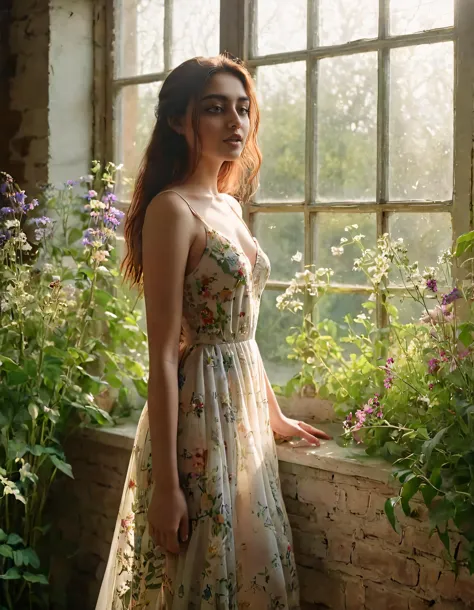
{"type": "Point", "coordinates": [168, 160]}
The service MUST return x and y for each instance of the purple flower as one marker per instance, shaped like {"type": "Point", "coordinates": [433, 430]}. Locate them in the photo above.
{"type": "Point", "coordinates": [451, 296]}
{"type": "Point", "coordinates": [91, 195]}
{"type": "Point", "coordinates": [30, 206]}
{"type": "Point", "coordinates": [388, 381]}
{"type": "Point", "coordinates": [42, 220]}
{"type": "Point", "coordinates": [6, 210]}
{"type": "Point", "coordinates": [430, 386]}
{"type": "Point", "coordinates": [20, 197]}
{"type": "Point", "coordinates": [5, 235]}
{"type": "Point", "coordinates": [433, 366]}
{"type": "Point", "coordinates": [109, 198]}
{"type": "Point", "coordinates": [3, 188]}
{"type": "Point", "coordinates": [432, 285]}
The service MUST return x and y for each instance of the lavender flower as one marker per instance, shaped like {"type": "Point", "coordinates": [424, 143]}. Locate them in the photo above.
{"type": "Point", "coordinates": [432, 285]}
{"type": "Point", "coordinates": [451, 296]}
{"type": "Point", "coordinates": [30, 206]}
{"type": "Point", "coordinates": [91, 195]}
{"type": "Point", "coordinates": [388, 381]}
{"type": "Point", "coordinates": [6, 210]}
{"type": "Point", "coordinates": [5, 235]}
{"type": "Point", "coordinates": [20, 197]}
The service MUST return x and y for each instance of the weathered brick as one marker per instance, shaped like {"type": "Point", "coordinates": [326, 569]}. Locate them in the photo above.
{"type": "Point", "coordinates": [321, 588]}
{"type": "Point", "coordinates": [322, 494]}
{"type": "Point", "coordinates": [380, 598]}
{"type": "Point", "coordinates": [340, 549]}
{"type": "Point", "coordinates": [354, 594]}
{"type": "Point", "coordinates": [385, 564]}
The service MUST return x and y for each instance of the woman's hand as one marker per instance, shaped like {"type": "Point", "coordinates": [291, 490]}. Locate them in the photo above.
{"type": "Point", "coordinates": [168, 514]}
{"type": "Point", "coordinates": [287, 427]}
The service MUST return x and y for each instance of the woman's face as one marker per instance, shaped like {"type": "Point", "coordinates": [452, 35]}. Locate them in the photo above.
{"type": "Point", "coordinates": [223, 118]}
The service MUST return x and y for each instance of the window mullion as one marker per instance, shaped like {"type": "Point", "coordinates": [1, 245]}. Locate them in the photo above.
{"type": "Point", "coordinates": [168, 35]}
{"type": "Point", "coordinates": [383, 78]}
{"type": "Point", "coordinates": [312, 70]}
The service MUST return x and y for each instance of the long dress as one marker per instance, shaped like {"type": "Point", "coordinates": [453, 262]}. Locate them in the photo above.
{"type": "Point", "coordinates": [239, 554]}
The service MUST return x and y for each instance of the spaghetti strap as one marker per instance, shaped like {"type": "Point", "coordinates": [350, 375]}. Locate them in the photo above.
{"type": "Point", "coordinates": [193, 211]}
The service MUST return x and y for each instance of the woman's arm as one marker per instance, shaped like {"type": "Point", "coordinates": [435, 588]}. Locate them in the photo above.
{"type": "Point", "coordinates": [287, 427]}
{"type": "Point", "coordinates": [167, 235]}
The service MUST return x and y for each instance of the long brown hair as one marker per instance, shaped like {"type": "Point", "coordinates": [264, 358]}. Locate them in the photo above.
{"type": "Point", "coordinates": [168, 160]}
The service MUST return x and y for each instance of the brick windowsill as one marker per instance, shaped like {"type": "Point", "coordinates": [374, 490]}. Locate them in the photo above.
{"type": "Point", "coordinates": [329, 456]}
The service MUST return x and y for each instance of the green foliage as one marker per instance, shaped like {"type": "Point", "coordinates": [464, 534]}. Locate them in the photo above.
{"type": "Point", "coordinates": [406, 391]}
{"type": "Point", "coordinates": [68, 342]}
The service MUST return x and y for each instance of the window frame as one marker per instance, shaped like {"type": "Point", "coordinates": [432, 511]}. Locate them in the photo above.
{"type": "Point", "coordinates": [238, 36]}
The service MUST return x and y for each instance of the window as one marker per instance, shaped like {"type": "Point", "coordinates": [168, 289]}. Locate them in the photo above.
{"type": "Point", "coordinates": [366, 118]}
{"type": "Point", "coordinates": [151, 38]}
{"type": "Point", "coordinates": [358, 127]}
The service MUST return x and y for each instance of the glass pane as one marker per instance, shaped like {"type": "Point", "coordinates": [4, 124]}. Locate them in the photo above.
{"type": "Point", "coordinates": [347, 128]}
{"type": "Point", "coordinates": [341, 21]}
{"type": "Point", "coordinates": [327, 232]}
{"type": "Point", "coordinates": [421, 122]}
{"type": "Point", "coordinates": [140, 37]}
{"type": "Point", "coordinates": [195, 29]}
{"type": "Point", "coordinates": [135, 118]}
{"type": "Point", "coordinates": [335, 307]}
{"type": "Point", "coordinates": [281, 236]}
{"type": "Point", "coordinates": [282, 98]}
{"type": "Point", "coordinates": [424, 235]}
{"type": "Point", "coordinates": [272, 329]}
{"type": "Point", "coordinates": [407, 16]}
{"type": "Point", "coordinates": [281, 26]}
{"type": "Point", "coordinates": [409, 310]}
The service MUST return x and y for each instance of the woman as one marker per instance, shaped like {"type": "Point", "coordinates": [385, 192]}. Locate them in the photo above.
{"type": "Point", "coordinates": [202, 522]}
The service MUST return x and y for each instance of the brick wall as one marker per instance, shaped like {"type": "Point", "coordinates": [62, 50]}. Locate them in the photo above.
{"type": "Point", "coordinates": [348, 556]}
{"type": "Point", "coordinates": [46, 111]}
{"type": "Point", "coordinates": [24, 79]}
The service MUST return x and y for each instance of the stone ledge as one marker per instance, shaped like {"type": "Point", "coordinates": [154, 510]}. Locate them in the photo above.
{"type": "Point", "coordinates": [329, 456]}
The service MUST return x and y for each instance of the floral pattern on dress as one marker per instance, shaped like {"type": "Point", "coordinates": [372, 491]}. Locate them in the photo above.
{"type": "Point", "coordinates": [239, 554]}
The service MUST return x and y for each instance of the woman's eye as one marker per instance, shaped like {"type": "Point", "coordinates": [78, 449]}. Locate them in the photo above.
{"type": "Point", "coordinates": [245, 110]}
{"type": "Point", "coordinates": [215, 109]}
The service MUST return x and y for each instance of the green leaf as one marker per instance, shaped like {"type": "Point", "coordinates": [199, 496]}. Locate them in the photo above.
{"type": "Point", "coordinates": [409, 489]}
{"type": "Point", "coordinates": [11, 574]}
{"type": "Point", "coordinates": [31, 558]}
{"type": "Point", "coordinates": [428, 493]}
{"type": "Point", "coordinates": [102, 297]}
{"type": "Point", "coordinates": [463, 243]}
{"type": "Point", "coordinates": [18, 557]}
{"type": "Point", "coordinates": [6, 551]}
{"type": "Point", "coordinates": [429, 446]}
{"type": "Point", "coordinates": [444, 537]}
{"type": "Point", "coordinates": [62, 466]}
{"type": "Point", "coordinates": [36, 578]}
{"type": "Point", "coordinates": [3, 536]}
{"type": "Point", "coordinates": [74, 235]}
{"type": "Point", "coordinates": [389, 508]}
{"type": "Point", "coordinates": [14, 539]}
{"type": "Point", "coordinates": [17, 378]}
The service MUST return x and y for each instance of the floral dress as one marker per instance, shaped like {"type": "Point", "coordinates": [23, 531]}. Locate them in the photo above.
{"type": "Point", "coordinates": [239, 554]}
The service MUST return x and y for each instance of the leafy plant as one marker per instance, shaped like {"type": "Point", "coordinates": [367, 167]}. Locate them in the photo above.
{"type": "Point", "coordinates": [406, 391]}
{"type": "Point", "coordinates": [66, 335]}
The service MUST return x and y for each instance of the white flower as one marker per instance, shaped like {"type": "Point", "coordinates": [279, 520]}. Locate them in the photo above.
{"type": "Point", "coordinates": [47, 268]}
{"type": "Point", "coordinates": [337, 251]}
{"type": "Point", "coordinates": [297, 257]}
{"type": "Point", "coordinates": [9, 224]}
{"type": "Point", "coordinates": [100, 256]}
{"type": "Point", "coordinates": [56, 278]}
{"type": "Point", "coordinates": [344, 240]}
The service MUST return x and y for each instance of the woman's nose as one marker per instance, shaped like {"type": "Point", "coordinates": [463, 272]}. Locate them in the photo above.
{"type": "Point", "coordinates": [234, 121]}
